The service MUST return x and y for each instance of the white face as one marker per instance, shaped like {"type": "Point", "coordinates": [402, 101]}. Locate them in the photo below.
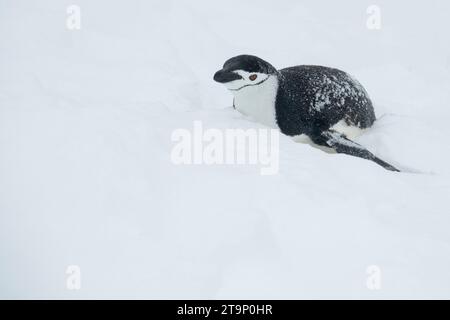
{"type": "Point", "coordinates": [248, 79]}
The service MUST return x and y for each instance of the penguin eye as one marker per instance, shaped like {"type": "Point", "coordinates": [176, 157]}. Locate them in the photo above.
{"type": "Point", "coordinates": [253, 77]}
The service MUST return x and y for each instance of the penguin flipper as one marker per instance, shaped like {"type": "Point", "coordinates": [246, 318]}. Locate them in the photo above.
{"type": "Point", "coordinates": [341, 144]}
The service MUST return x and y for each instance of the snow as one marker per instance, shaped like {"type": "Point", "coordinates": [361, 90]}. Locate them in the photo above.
{"type": "Point", "coordinates": [86, 118]}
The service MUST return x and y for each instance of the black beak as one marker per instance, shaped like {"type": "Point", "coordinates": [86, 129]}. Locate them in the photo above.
{"type": "Point", "coordinates": [224, 76]}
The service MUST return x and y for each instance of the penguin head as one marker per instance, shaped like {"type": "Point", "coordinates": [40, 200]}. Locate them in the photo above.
{"type": "Point", "coordinates": [244, 71]}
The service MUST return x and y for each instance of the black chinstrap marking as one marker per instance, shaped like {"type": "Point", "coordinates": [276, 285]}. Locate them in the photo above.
{"type": "Point", "coordinates": [250, 85]}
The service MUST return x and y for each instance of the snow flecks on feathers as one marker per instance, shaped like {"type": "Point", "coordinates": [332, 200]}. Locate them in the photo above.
{"type": "Point", "coordinates": [335, 138]}
{"type": "Point", "coordinates": [311, 99]}
{"type": "Point", "coordinates": [332, 92]}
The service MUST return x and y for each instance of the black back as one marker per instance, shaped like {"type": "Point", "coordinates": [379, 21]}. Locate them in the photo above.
{"type": "Point", "coordinates": [311, 99]}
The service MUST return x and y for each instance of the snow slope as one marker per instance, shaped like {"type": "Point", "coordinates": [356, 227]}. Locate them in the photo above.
{"type": "Point", "coordinates": [86, 179]}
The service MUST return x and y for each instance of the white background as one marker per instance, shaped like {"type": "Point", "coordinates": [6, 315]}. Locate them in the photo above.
{"type": "Point", "coordinates": [86, 178]}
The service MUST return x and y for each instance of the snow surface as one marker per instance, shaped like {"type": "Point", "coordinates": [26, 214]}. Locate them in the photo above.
{"type": "Point", "coordinates": [86, 179]}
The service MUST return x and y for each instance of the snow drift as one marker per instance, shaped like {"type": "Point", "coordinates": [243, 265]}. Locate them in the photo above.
{"type": "Point", "coordinates": [86, 179]}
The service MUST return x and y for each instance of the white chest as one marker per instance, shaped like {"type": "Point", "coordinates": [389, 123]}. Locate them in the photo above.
{"type": "Point", "coordinates": [258, 102]}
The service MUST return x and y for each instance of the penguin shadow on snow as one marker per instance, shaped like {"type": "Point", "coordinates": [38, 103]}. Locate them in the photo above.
{"type": "Point", "coordinates": [322, 106]}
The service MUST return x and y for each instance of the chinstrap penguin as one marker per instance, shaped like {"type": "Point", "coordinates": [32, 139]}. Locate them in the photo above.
{"type": "Point", "coordinates": [310, 103]}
